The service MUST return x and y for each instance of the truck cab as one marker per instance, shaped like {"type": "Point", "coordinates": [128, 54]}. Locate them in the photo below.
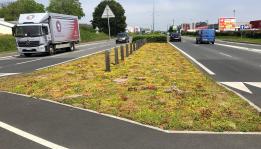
{"type": "Point", "coordinates": [206, 36]}
{"type": "Point", "coordinates": [45, 33]}
{"type": "Point", "coordinates": [32, 38]}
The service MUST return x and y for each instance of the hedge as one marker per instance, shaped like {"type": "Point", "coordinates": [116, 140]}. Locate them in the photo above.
{"type": "Point", "coordinates": [151, 38]}
{"type": "Point", "coordinates": [7, 43]}
{"type": "Point", "coordinates": [248, 34]}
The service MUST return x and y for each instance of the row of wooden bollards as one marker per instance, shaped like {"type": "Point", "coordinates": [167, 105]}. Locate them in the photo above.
{"type": "Point", "coordinates": [129, 50]}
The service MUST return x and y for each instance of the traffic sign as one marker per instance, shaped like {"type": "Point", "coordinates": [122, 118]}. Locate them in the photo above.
{"type": "Point", "coordinates": [242, 27]}
{"type": "Point", "coordinates": [108, 13]}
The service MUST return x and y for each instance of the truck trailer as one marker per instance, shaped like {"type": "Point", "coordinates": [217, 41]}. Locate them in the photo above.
{"type": "Point", "coordinates": [46, 33]}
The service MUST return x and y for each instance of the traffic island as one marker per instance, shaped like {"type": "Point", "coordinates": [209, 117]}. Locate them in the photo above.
{"type": "Point", "coordinates": [156, 86]}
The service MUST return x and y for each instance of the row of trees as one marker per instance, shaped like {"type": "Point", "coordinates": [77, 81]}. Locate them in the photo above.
{"type": "Point", "coordinates": [11, 11]}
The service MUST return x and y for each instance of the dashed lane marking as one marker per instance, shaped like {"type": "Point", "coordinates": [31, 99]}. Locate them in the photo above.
{"type": "Point", "coordinates": [225, 54]}
{"type": "Point", "coordinates": [241, 48]}
{"type": "Point", "coordinates": [28, 61]}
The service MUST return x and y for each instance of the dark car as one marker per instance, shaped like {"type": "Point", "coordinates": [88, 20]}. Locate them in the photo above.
{"type": "Point", "coordinates": [122, 38]}
{"type": "Point", "coordinates": [175, 37]}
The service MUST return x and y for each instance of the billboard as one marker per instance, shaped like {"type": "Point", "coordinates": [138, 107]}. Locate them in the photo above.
{"type": "Point", "coordinates": [227, 24]}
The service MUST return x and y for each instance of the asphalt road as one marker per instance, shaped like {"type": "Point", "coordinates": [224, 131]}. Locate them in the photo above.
{"type": "Point", "coordinates": [236, 65]}
{"type": "Point", "coordinates": [77, 129]}
{"type": "Point", "coordinates": [29, 123]}
{"type": "Point", "coordinates": [18, 64]}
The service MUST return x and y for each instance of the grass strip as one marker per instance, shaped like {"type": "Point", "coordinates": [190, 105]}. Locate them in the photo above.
{"type": "Point", "coordinates": [239, 39]}
{"type": "Point", "coordinates": [156, 86]}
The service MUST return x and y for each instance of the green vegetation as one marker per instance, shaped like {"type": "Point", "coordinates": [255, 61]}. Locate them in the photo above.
{"type": "Point", "coordinates": [7, 43]}
{"type": "Point", "coordinates": [11, 10]}
{"type": "Point", "coordinates": [69, 7]}
{"type": "Point", "coordinates": [89, 34]}
{"type": "Point", "coordinates": [245, 36]}
{"type": "Point", "coordinates": [151, 37]}
{"type": "Point", "coordinates": [156, 86]}
{"type": "Point", "coordinates": [118, 24]}
{"type": "Point", "coordinates": [239, 39]}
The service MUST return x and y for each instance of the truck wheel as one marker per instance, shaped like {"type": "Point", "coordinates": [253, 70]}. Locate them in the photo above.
{"type": "Point", "coordinates": [51, 50]}
{"type": "Point", "coordinates": [27, 54]}
{"type": "Point", "coordinates": [72, 47]}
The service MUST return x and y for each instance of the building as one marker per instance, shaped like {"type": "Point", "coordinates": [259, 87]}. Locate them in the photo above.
{"type": "Point", "coordinates": [133, 29]}
{"type": "Point", "coordinates": [5, 27]}
{"type": "Point", "coordinates": [185, 27]}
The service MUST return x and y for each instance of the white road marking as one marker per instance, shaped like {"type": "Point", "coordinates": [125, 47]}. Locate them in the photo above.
{"type": "Point", "coordinates": [244, 98]}
{"type": "Point", "coordinates": [140, 124]}
{"type": "Point", "coordinates": [241, 48]}
{"type": "Point", "coordinates": [76, 58]}
{"type": "Point", "coordinates": [237, 85]}
{"type": "Point", "coordinates": [8, 57]}
{"type": "Point", "coordinates": [7, 74]}
{"type": "Point", "coordinates": [256, 84]}
{"type": "Point", "coordinates": [195, 61]}
{"type": "Point", "coordinates": [225, 54]}
{"type": "Point", "coordinates": [29, 61]}
{"type": "Point", "coordinates": [71, 60]}
{"type": "Point", "coordinates": [30, 136]}
{"type": "Point", "coordinates": [256, 45]}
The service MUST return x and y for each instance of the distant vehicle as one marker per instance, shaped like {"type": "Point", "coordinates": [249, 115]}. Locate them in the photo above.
{"type": "Point", "coordinates": [175, 37]}
{"type": "Point", "coordinates": [45, 33]}
{"type": "Point", "coordinates": [122, 38]}
{"type": "Point", "coordinates": [206, 36]}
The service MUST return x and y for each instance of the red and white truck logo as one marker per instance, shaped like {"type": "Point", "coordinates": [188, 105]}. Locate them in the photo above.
{"type": "Point", "coordinates": [30, 17]}
{"type": "Point", "coordinates": [58, 26]}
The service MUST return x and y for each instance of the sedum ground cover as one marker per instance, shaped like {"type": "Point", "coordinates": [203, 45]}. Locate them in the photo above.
{"type": "Point", "coordinates": [156, 86]}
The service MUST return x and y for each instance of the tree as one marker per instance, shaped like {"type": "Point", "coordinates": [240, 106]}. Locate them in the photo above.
{"type": "Point", "coordinates": [12, 10]}
{"type": "Point", "coordinates": [118, 24]}
{"type": "Point", "coordinates": [69, 7]}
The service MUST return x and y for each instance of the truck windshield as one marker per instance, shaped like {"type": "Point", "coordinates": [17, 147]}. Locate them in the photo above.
{"type": "Point", "coordinates": [28, 31]}
{"type": "Point", "coordinates": [121, 35]}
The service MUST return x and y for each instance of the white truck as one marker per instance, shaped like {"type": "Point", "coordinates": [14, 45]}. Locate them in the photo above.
{"type": "Point", "coordinates": [45, 33]}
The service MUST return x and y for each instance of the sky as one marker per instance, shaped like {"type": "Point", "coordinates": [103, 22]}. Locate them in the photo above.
{"type": "Point", "coordinates": [139, 12]}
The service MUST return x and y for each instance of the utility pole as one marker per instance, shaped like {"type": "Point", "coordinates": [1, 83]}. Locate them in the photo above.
{"type": "Point", "coordinates": [153, 16]}
{"type": "Point", "coordinates": [234, 11]}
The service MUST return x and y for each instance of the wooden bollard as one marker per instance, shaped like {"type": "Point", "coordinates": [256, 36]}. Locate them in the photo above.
{"type": "Point", "coordinates": [131, 48]}
{"type": "Point", "coordinates": [107, 61]}
{"type": "Point", "coordinates": [116, 55]}
{"type": "Point", "coordinates": [127, 50]}
{"type": "Point", "coordinates": [134, 46]}
{"type": "Point", "coordinates": [122, 53]}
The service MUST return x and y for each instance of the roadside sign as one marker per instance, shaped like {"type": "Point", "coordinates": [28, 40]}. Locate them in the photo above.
{"type": "Point", "coordinates": [227, 24]}
{"type": "Point", "coordinates": [242, 27]}
{"type": "Point", "coordinates": [108, 13]}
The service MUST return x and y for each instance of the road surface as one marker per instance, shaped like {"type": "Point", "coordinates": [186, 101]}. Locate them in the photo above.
{"type": "Point", "coordinates": [235, 65]}
{"type": "Point", "coordinates": [16, 64]}
{"type": "Point", "coordinates": [77, 129]}
{"type": "Point", "coordinates": [29, 123]}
